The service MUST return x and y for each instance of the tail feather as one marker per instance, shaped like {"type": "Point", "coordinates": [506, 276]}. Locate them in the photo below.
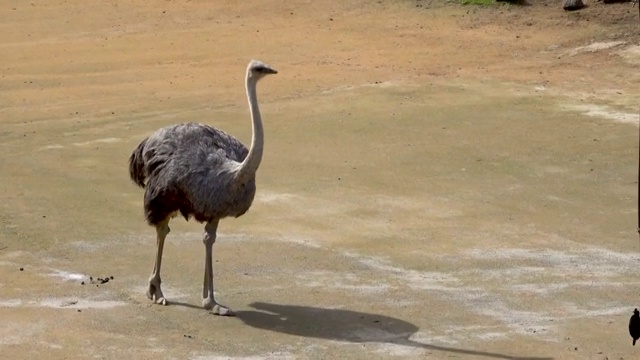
{"type": "Point", "coordinates": [136, 165]}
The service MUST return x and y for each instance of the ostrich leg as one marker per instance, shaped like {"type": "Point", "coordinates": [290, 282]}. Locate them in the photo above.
{"type": "Point", "coordinates": [155, 293]}
{"type": "Point", "coordinates": [208, 299]}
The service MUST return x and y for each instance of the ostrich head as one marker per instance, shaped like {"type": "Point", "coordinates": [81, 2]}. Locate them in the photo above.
{"type": "Point", "coordinates": [257, 70]}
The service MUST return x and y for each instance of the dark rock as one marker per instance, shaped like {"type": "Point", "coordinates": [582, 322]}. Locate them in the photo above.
{"type": "Point", "coordinates": [21, 269]}
{"type": "Point", "coordinates": [571, 5]}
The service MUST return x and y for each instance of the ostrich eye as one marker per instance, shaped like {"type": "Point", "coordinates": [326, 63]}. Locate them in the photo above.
{"type": "Point", "coordinates": [260, 69]}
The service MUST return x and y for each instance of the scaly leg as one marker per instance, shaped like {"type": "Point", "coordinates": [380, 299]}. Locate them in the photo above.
{"type": "Point", "coordinates": [208, 300]}
{"type": "Point", "coordinates": [154, 292]}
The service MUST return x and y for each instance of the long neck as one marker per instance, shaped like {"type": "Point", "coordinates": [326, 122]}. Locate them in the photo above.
{"type": "Point", "coordinates": [251, 163]}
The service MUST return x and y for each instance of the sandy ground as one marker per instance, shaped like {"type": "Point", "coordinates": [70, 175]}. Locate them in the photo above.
{"type": "Point", "coordinates": [439, 181]}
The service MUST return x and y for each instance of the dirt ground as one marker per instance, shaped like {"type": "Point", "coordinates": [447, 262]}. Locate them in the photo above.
{"type": "Point", "coordinates": [439, 181]}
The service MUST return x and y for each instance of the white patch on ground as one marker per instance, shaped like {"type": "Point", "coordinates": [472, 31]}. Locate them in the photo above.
{"type": "Point", "coordinates": [51, 345]}
{"type": "Point", "coordinates": [593, 262]}
{"type": "Point", "coordinates": [10, 303]}
{"type": "Point", "coordinates": [269, 356]}
{"type": "Point", "coordinates": [605, 112]}
{"type": "Point", "coordinates": [14, 254]}
{"type": "Point", "coordinates": [631, 54]}
{"type": "Point", "coordinates": [104, 141]}
{"type": "Point", "coordinates": [75, 303]}
{"type": "Point", "coordinates": [274, 197]}
{"type": "Point", "coordinates": [89, 246]}
{"type": "Point", "coordinates": [586, 267]}
{"type": "Point", "coordinates": [520, 321]}
{"type": "Point", "coordinates": [491, 282]}
{"type": "Point", "coordinates": [432, 339]}
{"type": "Point", "coordinates": [421, 280]}
{"type": "Point", "coordinates": [576, 311]}
{"type": "Point", "coordinates": [69, 276]}
{"type": "Point", "coordinates": [391, 349]}
{"type": "Point", "coordinates": [341, 281]}
{"type": "Point", "coordinates": [539, 289]}
{"type": "Point", "coordinates": [304, 241]}
{"type": "Point", "coordinates": [52, 147]}
{"type": "Point", "coordinates": [595, 47]}
{"type": "Point", "coordinates": [14, 333]}
{"type": "Point", "coordinates": [63, 303]}
{"type": "Point", "coordinates": [386, 300]}
{"type": "Point", "coordinates": [489, 336]}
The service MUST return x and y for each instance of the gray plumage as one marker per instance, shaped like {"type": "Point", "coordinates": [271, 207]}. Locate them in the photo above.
{"type": "Point", "coordinates": [191, 169]}
{"type": "Point", "coordinates": [202, 172]}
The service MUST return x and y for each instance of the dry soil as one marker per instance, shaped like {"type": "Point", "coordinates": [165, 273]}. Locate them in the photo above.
{"type": "Point", "coordinates": [439, 181]}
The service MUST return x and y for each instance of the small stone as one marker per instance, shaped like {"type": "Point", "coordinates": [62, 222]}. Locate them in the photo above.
{"type": "Point", "coordinates": [21, 269]}
{"type": "Point", "coordinates": [111, 277]}
{"type": "Point", "coordinates": [79, 310]}
{"type": "Point", "coordinates": [571, 5]}
{"type": "Point", "coordinates": [82, 283]}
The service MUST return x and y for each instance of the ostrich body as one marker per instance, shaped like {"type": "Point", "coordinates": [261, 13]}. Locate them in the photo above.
{"type": "Point", "coordinates": [634, 326]}
{"type": "Point", "coordinates": [201, 172]}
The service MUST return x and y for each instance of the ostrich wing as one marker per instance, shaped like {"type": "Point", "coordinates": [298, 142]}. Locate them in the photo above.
{"type": "Point", "coordinates": [190, 146]}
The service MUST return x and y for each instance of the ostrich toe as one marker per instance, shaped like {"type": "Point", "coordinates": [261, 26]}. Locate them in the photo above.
{"type": "Point", "coordinates": [217, 309]}
{"type": "Point", "coordinates": [155, 293]}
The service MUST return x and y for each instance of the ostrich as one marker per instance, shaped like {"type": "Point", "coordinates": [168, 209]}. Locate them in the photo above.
{"type": "Point", "coordinates": [201, 172]}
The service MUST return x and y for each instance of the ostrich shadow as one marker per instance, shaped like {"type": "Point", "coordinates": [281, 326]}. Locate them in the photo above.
{"type": "Point", "coordinates": [347, 326]}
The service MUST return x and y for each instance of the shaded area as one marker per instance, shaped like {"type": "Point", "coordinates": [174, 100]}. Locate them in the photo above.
{"type": "Point", "coordinates": [347, 326]}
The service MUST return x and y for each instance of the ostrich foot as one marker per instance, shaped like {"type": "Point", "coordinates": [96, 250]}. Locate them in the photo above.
{"type": "Point", "coordinates": [217, 309]}
{"type": "Point", "coordinates": [155, 293]}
